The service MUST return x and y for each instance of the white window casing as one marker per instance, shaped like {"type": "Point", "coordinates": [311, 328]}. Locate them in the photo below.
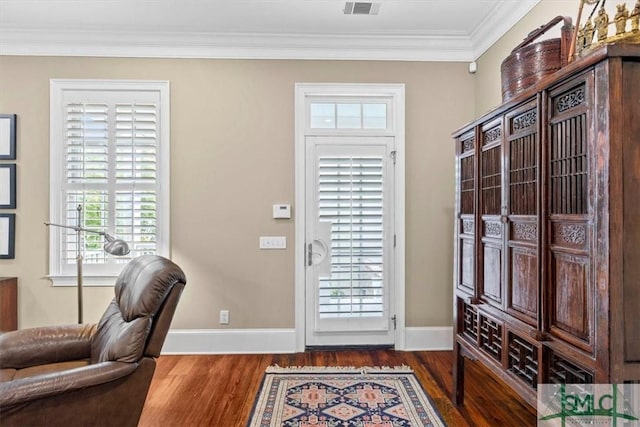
{"type": "Point", "coordinates": [109, 153]}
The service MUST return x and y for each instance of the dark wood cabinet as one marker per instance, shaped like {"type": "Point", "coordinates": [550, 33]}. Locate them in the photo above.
{"type": "Point", "coordinates": [547, 238]}
{"type": "Point", "coordinates": [8, 304]}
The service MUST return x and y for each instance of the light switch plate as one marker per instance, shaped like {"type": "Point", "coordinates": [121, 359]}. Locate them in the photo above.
{"type": "Point", "coordinates": [273, 242]}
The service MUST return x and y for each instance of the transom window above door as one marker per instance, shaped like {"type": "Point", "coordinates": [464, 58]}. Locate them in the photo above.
{"type": "Point", "coordinates": [349, 115]}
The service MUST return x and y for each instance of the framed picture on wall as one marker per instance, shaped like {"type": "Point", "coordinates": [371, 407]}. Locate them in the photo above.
{"type": "Point", "coordinates": [7, 186]}
{"type": "Point", "coordinates": [7, 136]}
{"type": "Point", "coordinates": [7, 236]}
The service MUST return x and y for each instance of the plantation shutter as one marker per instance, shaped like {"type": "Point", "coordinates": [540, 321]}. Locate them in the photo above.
{"type": "Point", "coordinates": [87, 176]}
{"type": "Point", "coordinates": [350, 192]}
{"type": "Point", "coordinates": [111, 157]}
{"type": "Point", "coordinates": [136, 175]}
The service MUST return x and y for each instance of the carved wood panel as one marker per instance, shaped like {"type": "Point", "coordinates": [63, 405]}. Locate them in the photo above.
{"type": "Point", "coordinates": [570, 235]}
{"type": "Point", "coordinates": [524, 282]}
{"type": "Point", "coordinates": [467, 145]}
{"type": "Point", "coordinates": [466, 264]}
{"type": "Point", "coordinates": [571, 294]}
{"type": "Point", "coordinates": [467, 226]}
{"type": "Point", "coordinates": [524, 231]}
{"type": "Point", "coordinates": [524, 121]}
{"type": "Point", "coordinates": [492, 229]}
{"type": "Point", "coordinates": [492, 273]}
{"type": "Point", "coordinates": [571, 99]}
{"type": "Point", "coordinates": [491, 135]}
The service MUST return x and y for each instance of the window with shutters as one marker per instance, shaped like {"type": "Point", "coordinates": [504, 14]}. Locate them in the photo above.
{"type": "Point", "coordinates": [109, 170]}
{"type": "Point", "coordinates": [350, 192]}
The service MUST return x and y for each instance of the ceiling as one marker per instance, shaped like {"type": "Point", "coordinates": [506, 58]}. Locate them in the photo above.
{"type": "Point", "coordinates": [423, 30]}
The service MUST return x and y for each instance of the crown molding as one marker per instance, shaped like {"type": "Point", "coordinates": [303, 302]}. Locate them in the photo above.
{"type": "Point", "coordinates": [500, 20]}
{"type": "Point", "coordinates": [442, 46]}
{"type": "Point", "coordinates": [449, 47]}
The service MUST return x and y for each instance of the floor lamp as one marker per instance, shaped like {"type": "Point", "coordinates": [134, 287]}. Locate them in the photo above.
{"type": "Point", "coordinates": [112, 246]}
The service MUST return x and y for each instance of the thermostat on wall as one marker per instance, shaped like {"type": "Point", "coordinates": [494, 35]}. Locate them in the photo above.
{"type": "Point", "coordinates": [282, 211]}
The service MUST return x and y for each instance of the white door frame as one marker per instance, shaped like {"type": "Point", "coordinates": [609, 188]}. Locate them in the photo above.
{"type": "Point", "coordinates": [396, 93]}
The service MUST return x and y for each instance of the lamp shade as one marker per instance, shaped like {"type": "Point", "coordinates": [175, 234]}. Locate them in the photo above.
{"type": "Point", "coordinates": [115, 246]}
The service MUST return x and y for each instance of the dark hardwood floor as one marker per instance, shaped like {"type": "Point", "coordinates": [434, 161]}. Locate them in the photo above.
{"type": "Point", "coordinates": [219, 390]}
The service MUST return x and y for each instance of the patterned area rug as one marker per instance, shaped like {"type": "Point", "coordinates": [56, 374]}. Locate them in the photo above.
{"type": "Point", "coordinates": [342, 397]}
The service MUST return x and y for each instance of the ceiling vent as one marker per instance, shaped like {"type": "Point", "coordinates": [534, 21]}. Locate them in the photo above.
{"type": "Point", "coordinates": [361, 8]}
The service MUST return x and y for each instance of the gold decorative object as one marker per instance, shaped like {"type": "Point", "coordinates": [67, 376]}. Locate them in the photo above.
{"type": "Point", "coordinates": [626, 24]}
{"type": "Point", "coordinates": [602, 25]}
{"type": "Point", "coordinates": [572, 47]}
{"type": "Point", "coordinates": [635, 18]}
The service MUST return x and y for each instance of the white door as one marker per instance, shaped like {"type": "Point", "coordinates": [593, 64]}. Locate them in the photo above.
{"type": "Point", "coordinates": [349, 240]}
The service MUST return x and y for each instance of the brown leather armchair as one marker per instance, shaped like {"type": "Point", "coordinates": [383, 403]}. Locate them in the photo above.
{"type": "Point", "coordinates": [92, 375]}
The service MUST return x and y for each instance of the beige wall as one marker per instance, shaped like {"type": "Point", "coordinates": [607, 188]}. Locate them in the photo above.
{"type": "Point", "coordinates": [232, 157]}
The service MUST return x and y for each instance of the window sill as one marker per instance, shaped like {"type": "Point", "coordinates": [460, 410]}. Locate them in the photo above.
{"type": "Point", "coordinates": [67, 281]}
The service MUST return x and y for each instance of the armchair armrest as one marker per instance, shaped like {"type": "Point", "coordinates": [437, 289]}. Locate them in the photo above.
{"type": "Point", "coordinates": [31, 388]}
{"type": "Point", "coordinates": [37, 346]}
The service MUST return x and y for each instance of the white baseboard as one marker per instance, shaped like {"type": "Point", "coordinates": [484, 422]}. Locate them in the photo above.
{"type": "Point", "coordinates": [229, 341]}
{"type": "Point", "coordinates": [260, 341]}
{"type": "Point", "coordinates": [429, 338]}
